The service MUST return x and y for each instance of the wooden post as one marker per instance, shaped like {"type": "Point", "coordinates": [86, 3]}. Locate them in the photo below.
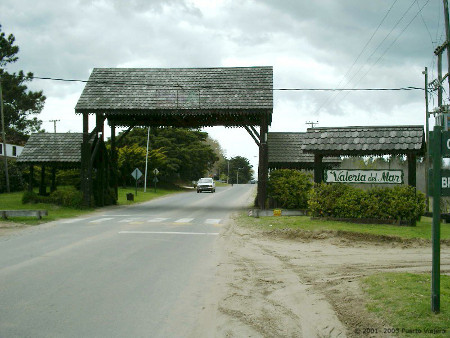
{"type": "Point", "coordinates": [86, 182]}
{"type": "Point", "coordinates": [412, 170]}
{"type": "Point", "coordinates": [101, 189]}
{"type": "Point", "coordinates": [263, 163]}
{"type": "Point", "coordinates": [318, 168]}
{"type": "Point", "coordinates": [42, 187]}
{"type": "Point", "coordinates": [114, 160]}
{"type": "Point", "coordinates": [31, 179]}
{"type": "Point", "coordinates": [53, 184]}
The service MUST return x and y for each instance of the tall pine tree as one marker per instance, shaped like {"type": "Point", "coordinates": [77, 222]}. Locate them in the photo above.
{"type": "Point", "coordinates": [20, 104]}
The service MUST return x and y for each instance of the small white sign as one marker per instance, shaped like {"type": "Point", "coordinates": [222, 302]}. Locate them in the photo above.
{"type": "Point", "coordinates": [156, 171]}
{"type": "Point", "coordinates": [136, 174]}
{"type": "Point", "coordinates": [387, 176]}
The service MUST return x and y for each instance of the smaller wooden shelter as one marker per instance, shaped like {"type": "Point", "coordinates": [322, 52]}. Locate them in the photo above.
{"type": "Point", "coordinates": [55, 151]}
{"type": "Point", "coordinates": [365, 141]}
{"type": "Point", "coordinates": [285, 152]}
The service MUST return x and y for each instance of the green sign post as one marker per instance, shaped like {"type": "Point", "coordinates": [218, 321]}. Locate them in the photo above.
{"type": "Point", "coordinates": [439, 145]}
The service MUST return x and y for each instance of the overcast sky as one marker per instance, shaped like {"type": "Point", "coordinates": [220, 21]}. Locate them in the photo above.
{"type": "Point", "coordinates": [310, 44]}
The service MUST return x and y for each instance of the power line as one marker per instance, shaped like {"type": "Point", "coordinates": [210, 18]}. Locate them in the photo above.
{"type": "Point", "coordinates": [389, 47]}
{"type": "Point", "coordinates": [357, 58]}
{"type": "Point", "coordinates": [373, 52]}
{"type": "Point", "coordinates": [178, 87]}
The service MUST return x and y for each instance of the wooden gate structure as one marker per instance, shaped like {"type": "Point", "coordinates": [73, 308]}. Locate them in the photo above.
{"type": "Point", "coordinates": [177, 97]}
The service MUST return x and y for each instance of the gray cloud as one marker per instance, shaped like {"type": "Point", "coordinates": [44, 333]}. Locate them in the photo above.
{"type": "Point", "coordinates": [309, 43]}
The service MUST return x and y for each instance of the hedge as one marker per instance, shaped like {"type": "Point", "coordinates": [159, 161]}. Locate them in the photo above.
{"type": "Point", "coordinates": [289, 188]}
{"type": "Point", "coordinates": [68, 197]}
{"type": "Point", "coordinates": [399, 204]}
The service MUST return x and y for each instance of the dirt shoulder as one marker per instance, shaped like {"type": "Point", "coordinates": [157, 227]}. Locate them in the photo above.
{"type": "Point", "coordinates": [271, 285]}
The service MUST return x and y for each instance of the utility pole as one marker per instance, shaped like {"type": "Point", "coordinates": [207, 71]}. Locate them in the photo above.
{"type": "Point", "coordinates": [4, 137]}
{"type": "Point", "coordinates": [312, 123]}
{"type": "Point", "coordinates": [237, 175]}
{"type": "Point", "coordinates": [447, 35]}
{"type": "Point", "coordinates": [427, 127]}
{"type": "Point", "coordinates": [146, 160]}
{"type": "Point", "coordinates": [441, 121]}
{"type": "Point", "coordinates": [54, 124]}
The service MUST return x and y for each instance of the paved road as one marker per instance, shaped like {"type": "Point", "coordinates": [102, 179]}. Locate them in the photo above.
{"type": "Point", "coordinates": [135, 271]}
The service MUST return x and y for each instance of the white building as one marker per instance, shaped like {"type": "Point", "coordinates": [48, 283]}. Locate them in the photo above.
{"type": "Point", "coordinates": [12, 151]}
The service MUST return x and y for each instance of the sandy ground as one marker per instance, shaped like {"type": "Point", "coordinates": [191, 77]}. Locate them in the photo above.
{"type": "Point", "coordinates": [284, 284]}
{"type": "Point", "coordinates": [294, 284]}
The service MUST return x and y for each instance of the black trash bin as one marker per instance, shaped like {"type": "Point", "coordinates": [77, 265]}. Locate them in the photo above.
{"type": "Point", "coordinates": [130, 197]}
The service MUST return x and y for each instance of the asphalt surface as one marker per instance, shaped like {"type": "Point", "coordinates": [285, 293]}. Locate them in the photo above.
{"type": "Point", "coordinates": [137, 271]}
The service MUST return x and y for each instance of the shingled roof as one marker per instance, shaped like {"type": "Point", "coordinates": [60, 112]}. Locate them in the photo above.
{"type": "Point", "coordinates": [215, 96]}
{"type": "Point", "coordinates": [55, 148]}
{"type": "Point", "coordinates": [365, 140]}
{"type": "Point", "coordinates": [285, 151]}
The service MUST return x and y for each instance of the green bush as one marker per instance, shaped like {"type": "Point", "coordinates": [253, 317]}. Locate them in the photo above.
{"type": "Point", "coordinates": [401, 203]}
{"type": "Point", "coordinates": [29, 197]}
{"type": "Point", "coordinates": [68, 197]}
{"type": "Point", "coordinates": [16, 182]}
{"type": "Point", "coordinates": [290, 188]}
{"type": "Point", "coordinates": [68, 177]}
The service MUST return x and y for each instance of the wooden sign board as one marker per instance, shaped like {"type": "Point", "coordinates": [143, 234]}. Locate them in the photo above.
{"type": "Point", "coordinates": [364, 176]}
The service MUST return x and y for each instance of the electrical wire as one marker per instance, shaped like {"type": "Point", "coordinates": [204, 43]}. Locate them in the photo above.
{"type": "Point", "coordinates": [331, 97]}
{"type": "Point", "coordinates": [373, 53]}
{"type": "Point", "coordinates": [389, 47]}
{"type": "Point", "coordinates": [134, 83]}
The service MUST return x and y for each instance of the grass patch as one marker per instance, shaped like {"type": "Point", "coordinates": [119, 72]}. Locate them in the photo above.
{"type": "Point", "coordinates": [404, 301]}
{"type": "Point", "coordinates": [144, 196]}
{"type": "Point", "coordinates": [13, 201]}
{"type": "Point", "coordinates": [421, 231]}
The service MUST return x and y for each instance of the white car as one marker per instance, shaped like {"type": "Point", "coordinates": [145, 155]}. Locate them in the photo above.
{"type": "Point", "coordinates": [206, 184]}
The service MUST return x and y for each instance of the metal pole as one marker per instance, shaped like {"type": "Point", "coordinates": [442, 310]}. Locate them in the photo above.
{"type": "Point", "coordinates": [447, 35]}
{"type": "Point", "coordinates": [4, 137]}
{"type": "Point", "coordinates": [436, 230]}
{"type": "Point", "coordinates": [146, 161]}
{"type": "Point", "coordinates": [427, 156]}
{"type": "Point", "coordinates": [54, 125]}
{"type": "Point", "coordinates": [228, 172]}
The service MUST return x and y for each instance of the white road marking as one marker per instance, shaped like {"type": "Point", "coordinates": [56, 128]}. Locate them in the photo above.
{"type": "Point", "coordinates": [156, 220]}
{"type": "Point", "coordinates": [169, 233]}
{"type": "Point", "coordinates": [74, 220]}
{"type": "Point", "coordinates": [101, 220]}
{"type": "Point", "coordinates": [213, 221]}
{"type": "Point", "coordinates": [128, 220]}
{"type": "Point", "coordinates": [118, 215]}
{"type": "Point", "coordinates": [183, 220]}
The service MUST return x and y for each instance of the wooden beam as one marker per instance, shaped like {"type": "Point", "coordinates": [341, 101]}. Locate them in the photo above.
{"type": "Point", "coordinates": [412, 159]}
{"type": "Point", "coordinates": [31, 179]}
{"type": "Point", "coordinates": [318, 168]}
{"type": "Point", "coordinates": [53, 184]}
{"type": "Point", "coordinates": [86, 182]}
{"type": "Point", "coordinates": [42, 187]}
{"type": "Point", "coordinates": [252, 135]}
{"type": "Point", "coordinates": [255, 131]}
{"type": "Point", "coordinates": [263, 163]}
{"type": "Point", "coordinates": [114, 160]}
{"type": "Point", "coordinates": [122, 136]}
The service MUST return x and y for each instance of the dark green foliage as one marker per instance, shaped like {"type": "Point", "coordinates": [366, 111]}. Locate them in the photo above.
{"type": "Point", "coordinates": [29, 197]}
{"type": "Point", "coordinates": [177, 153]}
{"type": "Point", "coordinates": [70, 177]}
{"type": "Point", "coordinates": [16, 182]}
{"type": "Point", "coordinates": [20, 104]}
{"type": "Point", "coordinates": [245, 171]}
{"type": "Point", "coordinates": [290, 188]}
{"type": "Point", "coordinates": [68, 197]}
{"type": "Point", "coordinates": [401, 203]}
